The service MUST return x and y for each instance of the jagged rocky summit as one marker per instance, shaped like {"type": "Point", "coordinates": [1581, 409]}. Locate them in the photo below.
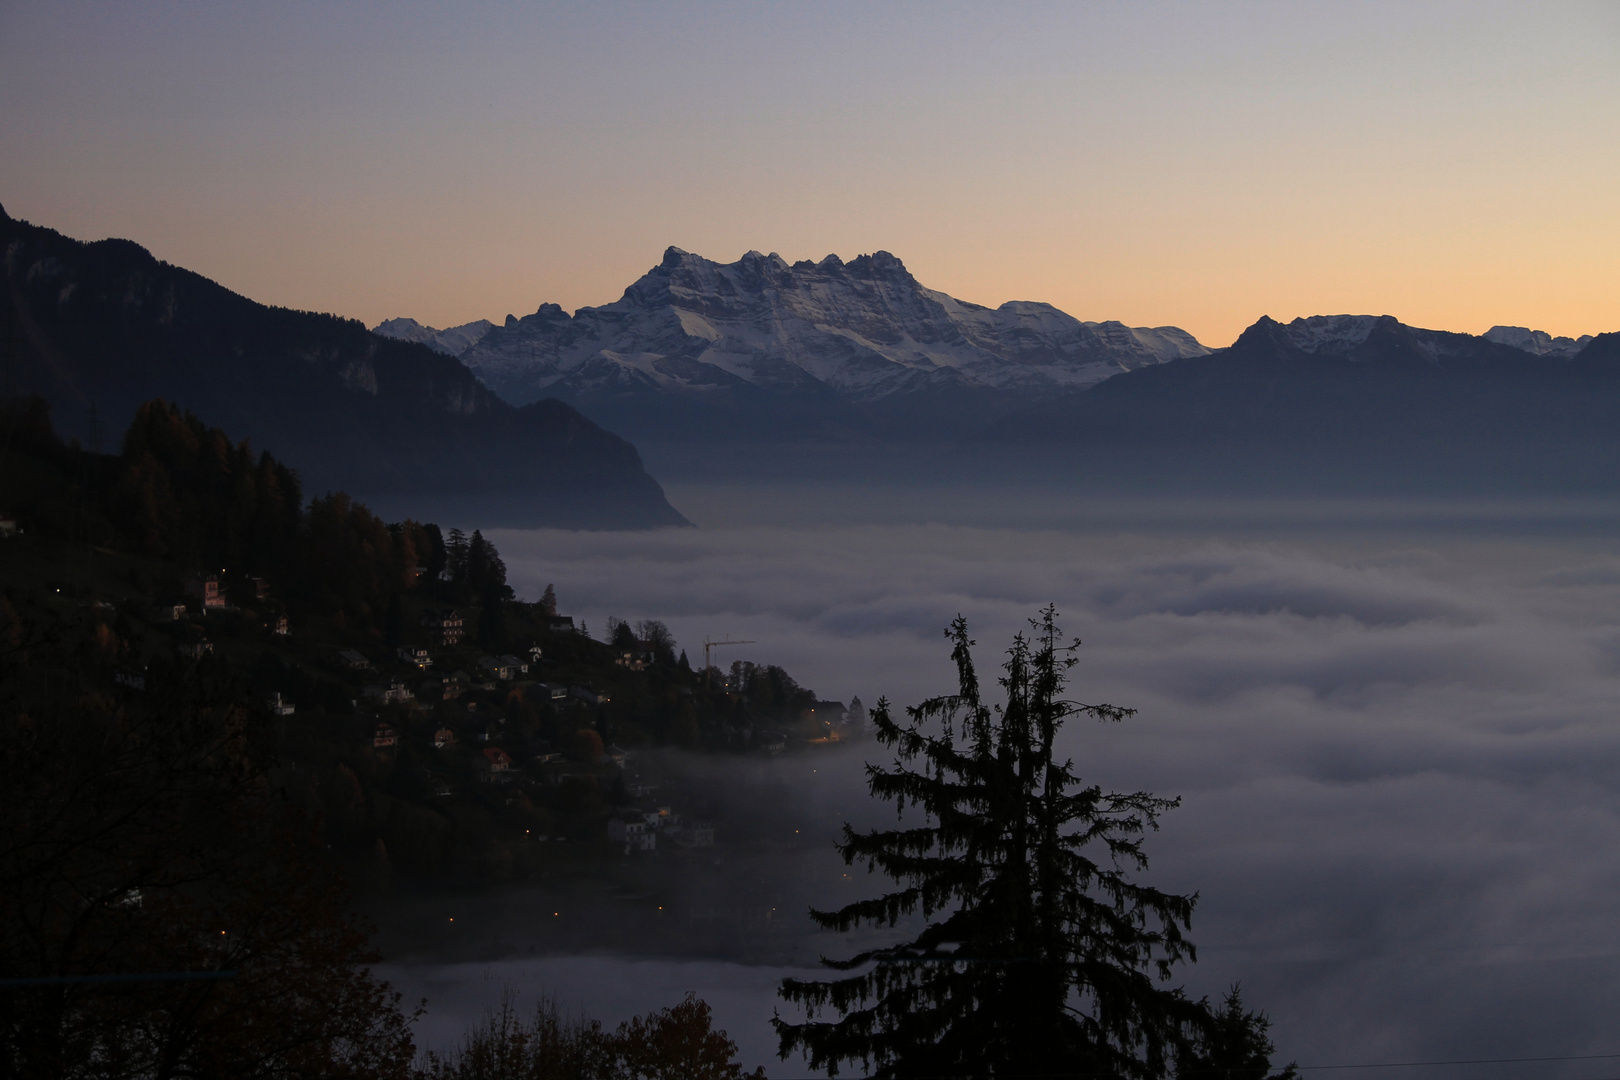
{"type": "Point", "coordinates": [451, 342]}
{"type": "Point", "coordinates": [98, 328]}
{"type": "Point", "coordinates": [761, 348]}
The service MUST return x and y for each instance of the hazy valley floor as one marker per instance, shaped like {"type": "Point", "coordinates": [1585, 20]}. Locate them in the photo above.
{"type": "Point", "coordinates": [1395, 728]}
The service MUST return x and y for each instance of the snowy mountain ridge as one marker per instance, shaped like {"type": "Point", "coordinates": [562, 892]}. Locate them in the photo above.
{"type": "Point", "coordinates": [1536, 342]}
{"type": "Point", "coordinates": [1344, 336]}
{"type": "Point", "coordinates": [864, 331]}
{"type": "Point", "coordinates": [452, 342]}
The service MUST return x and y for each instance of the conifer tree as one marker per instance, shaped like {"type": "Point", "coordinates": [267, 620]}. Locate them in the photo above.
{"type": "Point", "coordinates": [455, 558]}
{"type": "Point", "coordinates": [1040, 955]}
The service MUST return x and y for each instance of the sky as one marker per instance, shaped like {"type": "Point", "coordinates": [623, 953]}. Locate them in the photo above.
{"type": "Point", "coordinates": [1196, 165]}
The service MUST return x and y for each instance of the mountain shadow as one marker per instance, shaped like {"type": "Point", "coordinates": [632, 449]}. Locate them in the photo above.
{"type": "Point", "coordinates": [1348, 403]}
{"type": "Point", "coordinates": [97, 328]}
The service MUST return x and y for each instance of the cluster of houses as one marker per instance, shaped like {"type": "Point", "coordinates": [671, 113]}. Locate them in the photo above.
{"type": "Point", "coordinates": [639, 830]}
{"type": "Point", "coordinates": [207, 592]}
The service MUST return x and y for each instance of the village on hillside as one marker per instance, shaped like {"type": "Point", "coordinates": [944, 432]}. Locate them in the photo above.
{"type": "Point", "coordinates": [440, 732]}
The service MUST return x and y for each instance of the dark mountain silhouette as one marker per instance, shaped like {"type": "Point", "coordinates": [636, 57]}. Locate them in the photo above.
{"type": "Point", "coordinates": [1352, 401]}
{"type": "Point", "coordinates": [98, 328]}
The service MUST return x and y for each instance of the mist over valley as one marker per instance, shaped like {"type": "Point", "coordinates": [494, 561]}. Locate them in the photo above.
{"type": "Point", "coordinates": [1391, 728]}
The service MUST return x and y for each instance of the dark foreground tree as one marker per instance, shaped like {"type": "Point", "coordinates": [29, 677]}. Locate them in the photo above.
{"type": "Point", "coordinates": [1041, 956]}
{"type": "Point", "coordinates": [162, 912]}
{"type": "Point", "coordinates": [1233, 1045]}
{"type": "Point", "coordinates": [677, 1043]}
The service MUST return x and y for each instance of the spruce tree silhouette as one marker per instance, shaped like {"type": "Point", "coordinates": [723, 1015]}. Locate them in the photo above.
{"type": "Point", "coordinates": [1041, 955]}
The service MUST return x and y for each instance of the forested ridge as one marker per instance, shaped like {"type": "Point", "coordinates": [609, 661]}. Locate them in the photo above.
{"type": "Point", "coordinates": [196, 768]}
{"type": "Point", "coordinates": [97, 329]}
{"type": "Point", "coordinates": [322, 602]}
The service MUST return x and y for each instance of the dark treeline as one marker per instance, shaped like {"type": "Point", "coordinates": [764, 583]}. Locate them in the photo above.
{"type": "Point", "coordinates": [124, 532]}
{"type": "Point", "coordinates": [186, 493]}
{"type": "Point", "coordinates": [175, 855]}
{"type": "Point", "coordinates": [168, 907]}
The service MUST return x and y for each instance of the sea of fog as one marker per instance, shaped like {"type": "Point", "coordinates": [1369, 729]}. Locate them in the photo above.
{"type": "Point", "coordinates": [1395, 730]}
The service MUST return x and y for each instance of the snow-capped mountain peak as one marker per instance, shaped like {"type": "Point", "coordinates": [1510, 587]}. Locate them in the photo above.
{"type": "Point", "coordinates": [1329, 331]}
{"type": "Point", "coordinates": [1536, 342]}
{"type": "Point", "coordinates": [451, 342]}
{"type": "Point", "coordinates": [863, 331]}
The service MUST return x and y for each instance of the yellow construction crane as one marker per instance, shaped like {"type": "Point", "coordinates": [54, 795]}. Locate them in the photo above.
{"type": "Point", "coordinates": [707, 645]}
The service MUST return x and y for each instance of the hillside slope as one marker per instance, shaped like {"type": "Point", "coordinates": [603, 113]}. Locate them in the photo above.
{"type": "Point", "coordinates": [1357, 401]}
{"type": "Point", "coordinates": [98, 328]}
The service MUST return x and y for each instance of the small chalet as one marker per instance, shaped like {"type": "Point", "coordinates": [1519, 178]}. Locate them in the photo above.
{"type": "Point", "coordinates": [630, 660]}
{"type": "Point", "coordinates": [261, 588]}
{"type": "Point", "coordinates": [414, 654]}
{"type": "Point", "coordinates": [696, 834]}
{"type": "Point", "coordinates": [196, 650]}
{"type": "Point", "coordinates": [384, 736]}
{"type": "Point", "coordinates": [8, 527]}
{"type": "Point", "coordinates": [552, 691]}
{"type": "Point", "coordinates": [278, 626]}
{"type": "Point", "coordinates": [772, 744]}
{"type": "Point", "coordinates": [393, 692]}
{"type": "Point", "coordinates": [632, 831]}
{"type": "Point", "coordinates": [503, 668]}
{"type": "Point", "coordinates": [495, 764]}
{"type": "Point", "coordinates": [278, 705]}
{"type": "Point", "coordinates": [171, 610]}
{"type": "Point", "coordinates": [562, 624]}
{"type": "Point", "coordinates": [353, 660]}
{"type": "Point", "coordinates": [444, 739]}
{"type": "Point", "coordinates": [534, 654]}
{"type": "Point", "coordinates": [616, 754]}
{"type": "Point", "coordinates": [589, 696]}
{"type": "Point", "coordinates": [661, 818]}
{"type": "Point", "coordinates": [206, 588]}
{"type": "Point", "coordinates": [447, 627]}
{"type": "Point", "coordinates": [832, 712]}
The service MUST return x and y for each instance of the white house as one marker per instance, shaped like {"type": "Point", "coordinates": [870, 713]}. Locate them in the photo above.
{"type": "Point", "coordinates": [633, 832]}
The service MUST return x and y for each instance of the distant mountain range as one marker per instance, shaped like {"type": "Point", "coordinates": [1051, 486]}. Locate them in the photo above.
{"type": "Point", "coordinates": [829, 367]}
{"type": "Point", "coordinates": [98, 328]}
{"type": "Point", "coordinates": [1357, 401]}
{"type": "Point", "coordinates": [764, 349]}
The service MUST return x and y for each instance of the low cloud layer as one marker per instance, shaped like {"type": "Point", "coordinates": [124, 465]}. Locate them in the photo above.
{"type": "Point", "coordinates": [1399, 758]}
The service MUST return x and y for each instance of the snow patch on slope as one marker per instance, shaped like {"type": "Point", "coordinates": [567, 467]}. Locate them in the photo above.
{"type": "Point", "coordinates": [1536, 342]}
{"type": "Point", "coordinates": [452, 342]}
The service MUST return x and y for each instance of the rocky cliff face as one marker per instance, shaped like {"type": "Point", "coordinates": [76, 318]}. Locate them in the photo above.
{"type": "Point", "coordinates": [773, 348]}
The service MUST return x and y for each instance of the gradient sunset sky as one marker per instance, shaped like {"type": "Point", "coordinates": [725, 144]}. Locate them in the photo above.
{"type": "Point", "coordinates": [1454, 164]}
